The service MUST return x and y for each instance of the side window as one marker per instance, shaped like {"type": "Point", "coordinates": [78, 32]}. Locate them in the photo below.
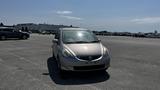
{"type": "Point", "coordinates": [8, 30]}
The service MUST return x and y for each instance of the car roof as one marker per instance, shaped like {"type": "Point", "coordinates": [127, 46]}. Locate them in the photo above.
{"type": "Point", "coordinates": [6, 28]}
{"type": "Point", "coordinates": [73, 29]}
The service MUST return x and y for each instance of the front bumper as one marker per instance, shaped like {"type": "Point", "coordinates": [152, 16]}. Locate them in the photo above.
{"type": "Point", "coordinates": [72, 64]}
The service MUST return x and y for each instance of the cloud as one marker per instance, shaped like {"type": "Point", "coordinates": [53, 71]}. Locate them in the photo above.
{"type": "Point", "coordinates": [64, 12]}
{"type": "Point", "coordinates": [146, 20]}
{"type": "Point", "coordinates": [71, 17]}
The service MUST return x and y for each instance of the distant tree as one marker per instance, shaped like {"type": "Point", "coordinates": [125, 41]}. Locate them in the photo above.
{"type": "Point", "coordinates": [26, 29]}
{"type": "Point", "coordinates": [155, 32]}
{"type": "Point", "coordinates": [1, 24]}
{"type": "Point", "coordinates": [71, 26]}
{"type": "Point", "coordinates": [22, 28]}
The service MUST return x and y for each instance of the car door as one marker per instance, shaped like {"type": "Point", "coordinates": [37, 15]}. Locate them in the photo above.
{"type": "Point", "coordinates": [9, 33]}
{"type": "Point", "coordinates": [16, 34]}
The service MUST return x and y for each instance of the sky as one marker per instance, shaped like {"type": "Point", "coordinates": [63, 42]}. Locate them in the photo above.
{"type": "Point", "coordinates": [110, 15]}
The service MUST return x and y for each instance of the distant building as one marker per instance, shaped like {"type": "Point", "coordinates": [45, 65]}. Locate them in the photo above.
{"type": "Point", "coordinates": [38, 28]}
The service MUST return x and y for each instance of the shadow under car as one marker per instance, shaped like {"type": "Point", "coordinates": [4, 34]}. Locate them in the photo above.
{"type": "Point", "coordinates": [75, 78]}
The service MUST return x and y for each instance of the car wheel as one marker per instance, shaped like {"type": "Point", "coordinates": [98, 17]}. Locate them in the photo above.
{"type": "Point", "coordinates": [24, 37]}
{"type": "Point", "coordinates": [62, 73]}
{"type": "Point", "coordinates": [3, 37]}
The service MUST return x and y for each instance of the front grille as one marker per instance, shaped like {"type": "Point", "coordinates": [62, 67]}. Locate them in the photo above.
{"type": "Point", "coordinates": [89, 58]}
{"type": "Point", "coordinates": [93, 67]}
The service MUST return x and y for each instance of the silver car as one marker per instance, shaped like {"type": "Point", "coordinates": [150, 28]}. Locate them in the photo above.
{"type": "Point", "coordinates": [78, 49]}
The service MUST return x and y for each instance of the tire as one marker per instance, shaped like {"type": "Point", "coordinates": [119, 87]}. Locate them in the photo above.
{"type": "Point", "coordinates": [3, 37]}
{"type": "Point", "coordinates": [24, 37]}
{"type": "Point", "coordinates": [62, 73]}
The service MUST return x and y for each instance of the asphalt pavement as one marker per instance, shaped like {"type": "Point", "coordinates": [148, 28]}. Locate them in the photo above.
{"type": "Point", "coordinates": [28, 65]}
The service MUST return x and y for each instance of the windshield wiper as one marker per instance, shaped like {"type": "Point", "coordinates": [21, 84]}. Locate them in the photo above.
{"type": "Point", "coordinates": [81, 42]}
{"type": "Point", "coordinates": [94, 41]}
{"type": "Point", "coordinates": [76, 42]}
{"type": "Point", "coordinates": [68, 42]}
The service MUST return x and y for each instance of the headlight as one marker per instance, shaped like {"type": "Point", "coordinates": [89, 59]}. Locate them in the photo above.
{"type": "Point", "coordinates": [105, 51]}
{"type": "Point", "coordinates": [66, 53]}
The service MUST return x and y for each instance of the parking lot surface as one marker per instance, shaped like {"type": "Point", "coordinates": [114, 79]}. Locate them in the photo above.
{"type": "Point", "coordinates": [28, 65]}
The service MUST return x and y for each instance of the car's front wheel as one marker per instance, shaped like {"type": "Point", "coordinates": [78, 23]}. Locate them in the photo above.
{"type": "Point", "coordinates": [62, 73]}
{"type": "Point", "coordinates": [3, 37]}
{"type": "Point", "coordinates": [24, 37]}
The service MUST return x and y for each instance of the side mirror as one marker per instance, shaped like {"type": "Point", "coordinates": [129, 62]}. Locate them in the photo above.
{"type": "Point", "coordinates": [99, 39]}
{"type": "Point", "coordinates": [55, 40]}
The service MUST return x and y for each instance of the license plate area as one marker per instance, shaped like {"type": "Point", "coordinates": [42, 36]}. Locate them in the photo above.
{"type": "Point", "coordinates": [91, 67]}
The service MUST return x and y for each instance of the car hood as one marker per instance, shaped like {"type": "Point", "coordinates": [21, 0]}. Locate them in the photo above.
{"type": "Point", "coordinates": [85, 49]}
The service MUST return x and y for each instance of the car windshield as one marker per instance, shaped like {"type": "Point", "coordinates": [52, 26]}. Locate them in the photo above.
{"type": "Point", "coordinates": [78, 36]}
